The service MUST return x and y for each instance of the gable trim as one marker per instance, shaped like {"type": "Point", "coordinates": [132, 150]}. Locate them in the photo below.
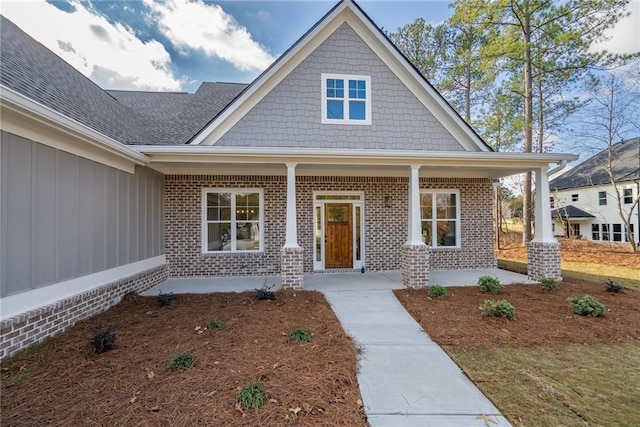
{"type": "Point", "coordinates": [350, 13]}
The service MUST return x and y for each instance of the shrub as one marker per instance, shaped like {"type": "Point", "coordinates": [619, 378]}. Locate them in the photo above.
{"type": "Point", "coordinates": [501, 308]}
{"type": "Point", "coordinates": [548, 283]}
{"type": "Point", "coordinates": [611, 286]}
{"type": "Point", "coordinates": [165, 299]}
{"type": "Point", "coordinates": [586, 305]}
{"type": "Point", "coordinates": [437, 291]}
{"type": "Point", "coordinates": [300, 335]}
{"type": "Point", "coordinates": [181, 361]}
{"type": "Point", "coordinates": [489, 284]}
{"type": "Point", "coordinates": [104, 341]}
{"type": "Point", "coordinates": [253, 395]}
{"type": "Point", "coordinates": [216, 324]}
{"type": "Point", "coordinates": [265, 293]}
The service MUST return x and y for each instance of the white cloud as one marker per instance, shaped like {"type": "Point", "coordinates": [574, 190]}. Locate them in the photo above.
{"type": "Point", "coordinates": [196, 25]}
{"type": "Point", "coordinates": [625, 35]}
{"type": "Point", "coordinates": [111, 55]}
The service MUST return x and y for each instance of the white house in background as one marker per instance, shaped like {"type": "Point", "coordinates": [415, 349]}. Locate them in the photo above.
{"type": "Point", "coordinates": [585, 203]}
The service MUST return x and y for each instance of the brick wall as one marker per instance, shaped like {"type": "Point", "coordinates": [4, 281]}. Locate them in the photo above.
{"type": "Point", "coordinates": [24, 330]}
{"type": "Point", "coordinates": [385, 227]}
{"type": "Point", "coordinates": [543, 260]}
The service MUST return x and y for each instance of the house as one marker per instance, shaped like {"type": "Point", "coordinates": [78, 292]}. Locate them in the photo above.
{"type": "Point", "coordinates": [585, 201]}
{"type": "Point", "coordinates": [339, 157]}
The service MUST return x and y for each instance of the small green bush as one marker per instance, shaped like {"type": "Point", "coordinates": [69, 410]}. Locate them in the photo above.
{"type": "Point", "coordinates": [253, 395]}
{"type": "Point", "coordinates": [548, 284]}
{"type": "Point", "coordinates": [300, 335]}
{"type": "Point", "coordinates": [501, 308]}
{"type": "Point", "coordinates": [437, 291]}
{"type": "Point", "coordinates": [104, 341]}
{"type": "Point", "coordinates": [181, 361]}
{"type": "Point", "coordinates": [586, 305]}
{"type": "Point", "coordinates": [216, 324]}
{"type": "Point", "coordinates": [489, 284]}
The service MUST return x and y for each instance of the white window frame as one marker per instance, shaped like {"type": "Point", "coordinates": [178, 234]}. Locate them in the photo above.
{"type": "Point", "coordinates": [602, 201]}
{"type": "Point", "coordinates": [232, 220]}
{"type": "Point", "coordinates": [434, 226]}
{"type": "Point", "coordinates": [626, 197]}
{"type": "Point", "coordinates": [345, 120]}
{"type": "Point", "coordinates": [575, 197]}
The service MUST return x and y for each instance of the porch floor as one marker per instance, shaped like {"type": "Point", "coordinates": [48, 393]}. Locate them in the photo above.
{"type": "Point", "coordinates": [332, 281]}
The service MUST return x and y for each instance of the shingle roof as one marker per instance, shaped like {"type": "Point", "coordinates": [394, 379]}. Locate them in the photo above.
{"type": "Point", "coordinates": [593, 171]}
{"type": "Point", "coordinates": [130, 117]}
{"type": "Point", "coordinates": [174, 117]}
{"type": "Point", "coordinates": [31, 69]}
{"type": "Point", "coordinates": [570, 212]}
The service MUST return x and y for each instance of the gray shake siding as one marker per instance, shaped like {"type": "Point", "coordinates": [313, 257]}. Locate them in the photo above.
{"type": "Point", "coordinates": [385, 228]}
{"type": "Point", "coordinates": [289, 116]}
{"type": "Point", "coordinates": [64, 216]}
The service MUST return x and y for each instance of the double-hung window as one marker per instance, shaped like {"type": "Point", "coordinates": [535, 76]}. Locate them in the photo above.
{"type": "Point", "coordinates": [346, 99]}
{"type": "Point", "coordinates": [440, 218]}
{"type": "Point", "coordinates": [232, 220]}
{"type": "Point", "coordinates": [627, 195]}
{"type": "Point", "coordinates": [602, 198]}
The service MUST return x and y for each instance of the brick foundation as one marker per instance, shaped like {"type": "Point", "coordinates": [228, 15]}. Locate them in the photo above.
{"type": "Point", "coordinates": [291, 268]}
{"type": "Point", "coordinates": [24, 330]}
{"type": "Point", "coordinates": [415, 266]}
{"type": "Point", "coordinates": [543, 260]}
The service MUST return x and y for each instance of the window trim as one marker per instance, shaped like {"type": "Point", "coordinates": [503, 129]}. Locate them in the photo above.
{"type": "Point", "coordinates": [458, 219]}
{"type": "Point", "coordinates": [627, 199]}
{"type": "Point", "coordinates": [367, 100]}
{"type": "Point", "coordinates": [233, 191]}
{"type": "Point", "coordinates": [575, 197]}
{"type": "Point", "coordinates": [602, 201]}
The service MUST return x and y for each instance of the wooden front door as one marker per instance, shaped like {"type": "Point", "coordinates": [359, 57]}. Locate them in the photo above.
{"type": "Point", "coordinates": [338, 228]}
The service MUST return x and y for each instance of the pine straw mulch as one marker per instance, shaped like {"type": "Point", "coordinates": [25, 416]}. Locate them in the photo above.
{"type": "Point", "coordinates": [543, 318]}
{"type": "Point", "coordinates": [574, 250]}
{"type": "Point", "coordinates": [61, 383]}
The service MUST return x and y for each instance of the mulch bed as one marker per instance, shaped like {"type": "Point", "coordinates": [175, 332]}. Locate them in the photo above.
{"type": "Point", "coordinates": [543, 318]}
{"type": "Point", "coordinates": [62, 383]}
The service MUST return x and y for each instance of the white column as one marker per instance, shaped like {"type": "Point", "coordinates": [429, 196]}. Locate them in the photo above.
{"type": "Point", "coordinates": [415, 231]}
{"type": "Point", "coordinates": [543, 228]}
{"type": "Point", "coordinates": [291, 240]}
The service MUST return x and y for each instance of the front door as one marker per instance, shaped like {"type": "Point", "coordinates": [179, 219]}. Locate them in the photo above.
{"type": "Point", "coordinates": [338, 227]}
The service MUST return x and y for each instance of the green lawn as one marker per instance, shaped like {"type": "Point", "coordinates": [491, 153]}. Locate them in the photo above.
{"type": "Point", "coordinates": [591, 272]}
{"type": "Point", "coordinates": [572, 385]}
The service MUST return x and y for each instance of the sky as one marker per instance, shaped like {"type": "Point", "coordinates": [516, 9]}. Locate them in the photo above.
{"type": "Point", "coordinates": [174, 45]}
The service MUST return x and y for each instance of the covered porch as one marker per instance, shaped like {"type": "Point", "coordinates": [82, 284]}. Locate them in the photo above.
{"type": "Point", "coordinates": [333, 281]}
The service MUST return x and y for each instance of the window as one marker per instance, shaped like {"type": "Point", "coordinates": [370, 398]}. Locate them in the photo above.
{"type": "Point", "coordinates": [627, 195]}
{"type": "Point", "coordinates": [346, 99]}
{"type": "Point", "coordinates": [617, 232]}
{"type": "Point", "coordinates": [574, 197]}
{"type": "Point", "coordinates": [440, 218]}
{"type": "Point", "coordinates": [602, 198]}
{"type": "Point", "coordinates": [595, 231]}
{"type": "Point", "coordinates": [629, 232]}
{"type": "Point", "coordinates": [552, 202]}
{"type": "Point", "coordinates": [575, 231]}
{"type": "Point", "coordinates": [605, 232]}
{"type": "Point", "coordinates": [232, 220]}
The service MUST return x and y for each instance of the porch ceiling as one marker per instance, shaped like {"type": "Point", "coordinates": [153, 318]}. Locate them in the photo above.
{"type": "Point", "coordinates": [344, 162]}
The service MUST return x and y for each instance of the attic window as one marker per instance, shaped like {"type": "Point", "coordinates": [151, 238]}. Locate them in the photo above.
{"type": "Point", "coordinates": [346, 99]}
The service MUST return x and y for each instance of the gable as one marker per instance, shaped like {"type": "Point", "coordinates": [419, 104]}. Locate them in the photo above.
{"type": "Point", "coordinates": [290, 115]}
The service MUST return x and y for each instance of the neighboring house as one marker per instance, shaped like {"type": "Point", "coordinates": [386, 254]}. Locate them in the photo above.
{"type": "Point", "coordinates": [585, 202]}
{"type": "Point", "coordinates": [339, 157]}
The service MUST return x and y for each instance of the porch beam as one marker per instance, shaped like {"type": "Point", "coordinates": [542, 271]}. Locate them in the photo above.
{"type": "Point", "coordinates": [291, 237]}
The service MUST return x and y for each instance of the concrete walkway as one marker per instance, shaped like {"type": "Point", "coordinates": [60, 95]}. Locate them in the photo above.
{"type": "Point", "coordinates": [405, 378]}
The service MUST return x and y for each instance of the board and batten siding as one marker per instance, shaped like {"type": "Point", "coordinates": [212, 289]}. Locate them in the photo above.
{"type": "Point", "coordinates": [64, 216]}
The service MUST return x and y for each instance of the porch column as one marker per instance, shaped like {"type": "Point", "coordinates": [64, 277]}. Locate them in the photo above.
{"type": "Point", "coordinates": [415, 254]}
{"type": "Point", "coordinates": [543, 252]}
{"type": "Point", "coordinates": [292, 259]}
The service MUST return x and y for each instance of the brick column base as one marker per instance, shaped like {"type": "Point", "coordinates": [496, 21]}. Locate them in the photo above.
{"type": "Point", "coordinates": [543, 260]}
{"type": "Point", "coordinates": [415, 266]}
{"type": "Point", "coordinates": [291, 268]}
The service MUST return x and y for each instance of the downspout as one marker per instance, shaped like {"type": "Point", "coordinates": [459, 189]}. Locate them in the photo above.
{"type": "Point", "coordinates": [562, 165]}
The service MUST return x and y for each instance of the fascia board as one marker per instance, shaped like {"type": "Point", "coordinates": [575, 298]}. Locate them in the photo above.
{"type": "Point", "coordinates": [272, 77]}
{"type": "Point", "coordinates": [30, 109]}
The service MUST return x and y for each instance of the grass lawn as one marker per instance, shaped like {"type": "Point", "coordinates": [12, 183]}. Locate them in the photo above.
{"type": "Point", "coordinates": [571, 385]}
